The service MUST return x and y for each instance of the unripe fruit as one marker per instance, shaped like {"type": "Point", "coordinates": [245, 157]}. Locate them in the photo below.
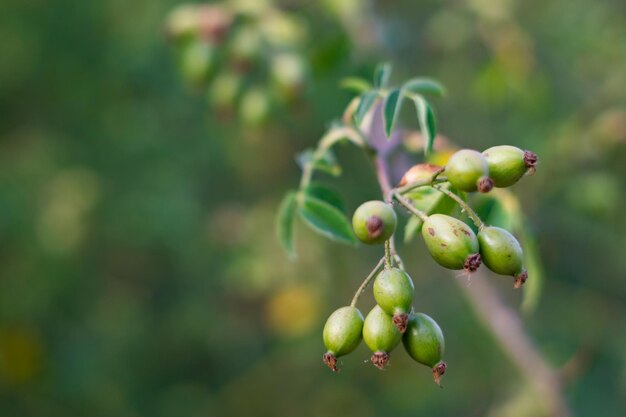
{"type": "Point", "coordinates": [380, 335]}
{"type": "Point", "coordinates": [424, 342]}
{"type": "Point", "coordinates": [507, 164]}
{"type": "Point", "coordinates": [393, 291]}
{"type": "Point", "coordinates": [374, 222]}
{"type": "Point", "coordinates": [502, 253]}
{"type": "Point", "coordinates": [418, 172]}
{"type": "Point", "coordinates": [342, 334]}
{"type": "Point", "coordinates": [451, 242]}
{"type": "Point", "coordinates": [468, 170]}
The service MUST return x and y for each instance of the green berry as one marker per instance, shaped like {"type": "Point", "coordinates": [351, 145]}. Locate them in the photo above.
{"type": "Point", "coordinates": [374, 222]}
{"type": "Point", "coordinates": [393, 291]}
{"type": "Point", "coordinates": [342, 334]}
{"type": "Point", "coordinates": [468, 170]}
{"type": "Point", "coordinates": [380, 335]}
{"type": "Point", "coordinates": [507, 164]}
{"type": "Point", "coordinates": [424, 342]}
{"type": "Point", "coordinates": [502, 253]}
{"type": "Point", "coordinates": [451, 242]}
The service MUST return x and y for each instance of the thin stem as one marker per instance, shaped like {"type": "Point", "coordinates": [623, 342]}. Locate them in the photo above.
{"type": "Point", "coordinates": [327, 142]}
{"type": "Point", "coordinates": [407, 205]}
{"type": "Point", "coordinates": [385, 187]}
{"type": "Point", "coordinates": [466, 207]}
{"type": "Point", "coordinates": [388, 253]}
{"type": "Point", "coordinates": [366, 282]}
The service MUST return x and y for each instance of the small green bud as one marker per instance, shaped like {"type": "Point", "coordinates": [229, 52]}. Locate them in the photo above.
{"type": "Point", "coordinates": [502, 253]}
{"type": "Point", "coordinates": [380, 335]}
{"type": "Point", "coordinates": [424, 342]}
{"type": "Point", "coordinates": [393, 291]}
{"type": "Point", "coordinates": [507, 164]}
{"type": "Point", "coordinates": [342, 334]}
{"type": "Point", "coordinates": [374, 222]}
{"type": "Point", "coordinates": [468, 170]}
{"type": "Point", "coordinates": [451, 242]}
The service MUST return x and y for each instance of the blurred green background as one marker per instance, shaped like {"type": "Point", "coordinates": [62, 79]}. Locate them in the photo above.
{"type": "Point", "coordinates": [139, 270]}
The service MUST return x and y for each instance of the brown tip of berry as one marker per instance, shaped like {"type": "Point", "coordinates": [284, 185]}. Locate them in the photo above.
{"type": "Point", "coordinates": [485, 184]}
{"type": "Point", "coordinates": [472, 263]}
{"type": "Point", "coordinates": [375, 226]}
{"type": "Point", "coordinates": [401, 321]}
{"type": "Point", "coordinates": [331, 361]}
{"type": "Point", "coordinates": [380, 359]}
{"type": "Point", "coordinates": [520, 279]}
{"type": "Point", "coordinates": [530, 160]}
{"type": "Point", "coordinates": [438, 371]}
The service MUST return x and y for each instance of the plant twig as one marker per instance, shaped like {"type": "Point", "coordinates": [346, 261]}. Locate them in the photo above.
{"type": "Point", "coordinates": [366, 282]}
{"type": "Point", "coordinates": [407, 205]}
{"type": "Point", "coordinates": [388, 253]}
{"type": "Point", "coordinates": [466, 207]}
{"type": "Point", "coordinates": [505, 324]}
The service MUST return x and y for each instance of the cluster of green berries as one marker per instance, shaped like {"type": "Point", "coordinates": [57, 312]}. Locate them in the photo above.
{"type": "Point", "coordinates": [451, 242]}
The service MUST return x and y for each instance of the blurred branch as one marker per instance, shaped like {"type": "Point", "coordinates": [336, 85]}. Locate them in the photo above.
{"type": "Point", "coordinates": [505, 325]}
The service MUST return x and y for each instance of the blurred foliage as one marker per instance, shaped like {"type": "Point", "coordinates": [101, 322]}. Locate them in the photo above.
{"type": "Point", "coordinates": [139, 273]}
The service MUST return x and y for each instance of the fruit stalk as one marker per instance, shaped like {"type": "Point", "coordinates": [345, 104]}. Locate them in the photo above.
{"type": "Point", "coordinates": [366, 282]}
{"type": "Point", "coordinates": [466, 207]}
{"type": "Point", "coordinates": [388, 253]}
{"type": "Point", "coordinates": [407, 205]}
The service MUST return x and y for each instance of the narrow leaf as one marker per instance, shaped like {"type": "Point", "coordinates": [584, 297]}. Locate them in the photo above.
{"type": "Point", "coordinates": [365, 104]}
{"type": "Point", "coordinates": [381, 74]}
{"type": "Point", "coordinates": [392, 106]}
{"type": "Point", "coordinates": [424, 86]}
{"type": "Point", "coordinates": [357, 84]}
{"type": "Point", "coordinates": [327, 194]}
{"type": "Point", "coordinates": [427, 123]}
{"type": "Point", "coordinates": [284, 223]}
{"type": "Point", "coordinates": [325, 219]}
{"type": "Point", "coordinates": [412, 228]}
{"type": "Point", "coordinates": [534, 267]}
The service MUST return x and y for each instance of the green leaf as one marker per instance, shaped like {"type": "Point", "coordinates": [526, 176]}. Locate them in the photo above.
{"type": "Point", "coordinates": [424, 86]}
{"type": "Point", "coordinates": [412, 228]}
{"type": "Point", "coordinates": [534, 267]}
{"type": "Point", "coordinates": [427, 123]}
{"type": "Point", "coordinates": [284, 223]}
{"type": "Point", "coordinates": [327, 194]}
{"type": "Point", "coordinates": [365, 104]}
{"type": "Point", "coordinates": [327, 163]}
{"type": "Point", "coordinates": [356, 84]}
{"type": "Point", "coordinates": [392, 106]}
{"type": "Point", "coordinates": [325, 219]}
{"type": "Point", "coordinates": [381, 74]}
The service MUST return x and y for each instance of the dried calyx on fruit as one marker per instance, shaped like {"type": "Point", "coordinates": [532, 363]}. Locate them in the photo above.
{"type": "Point", "coordinates": [452, 243]}
{"type": "Point", "coordinates": [342, 334]}
{"type": "Point", "coordinates": [424, 342]}
{"type": "Point", "coordinates": [468, 170]}
{"type": "Point", "coordinates": [393, 291]}
{"type": "Point", "coordinates": [507, 164]}
{"type": "Point", "coordinates": [502, 253]}
{"type": "Point", "coordinates": [374, 222]}
{"type": "Point", "coordinates": [380, 335]}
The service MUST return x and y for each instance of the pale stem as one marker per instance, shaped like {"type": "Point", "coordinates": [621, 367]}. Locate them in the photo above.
{"type": "Point", "coordinates": [388, 253]}
{"type": "Point", "coordinates": [466, 207]}
{"type": "Point", "coordinates": [366, 282]}
{"type": "Point", "coordinates": [409, 206]}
